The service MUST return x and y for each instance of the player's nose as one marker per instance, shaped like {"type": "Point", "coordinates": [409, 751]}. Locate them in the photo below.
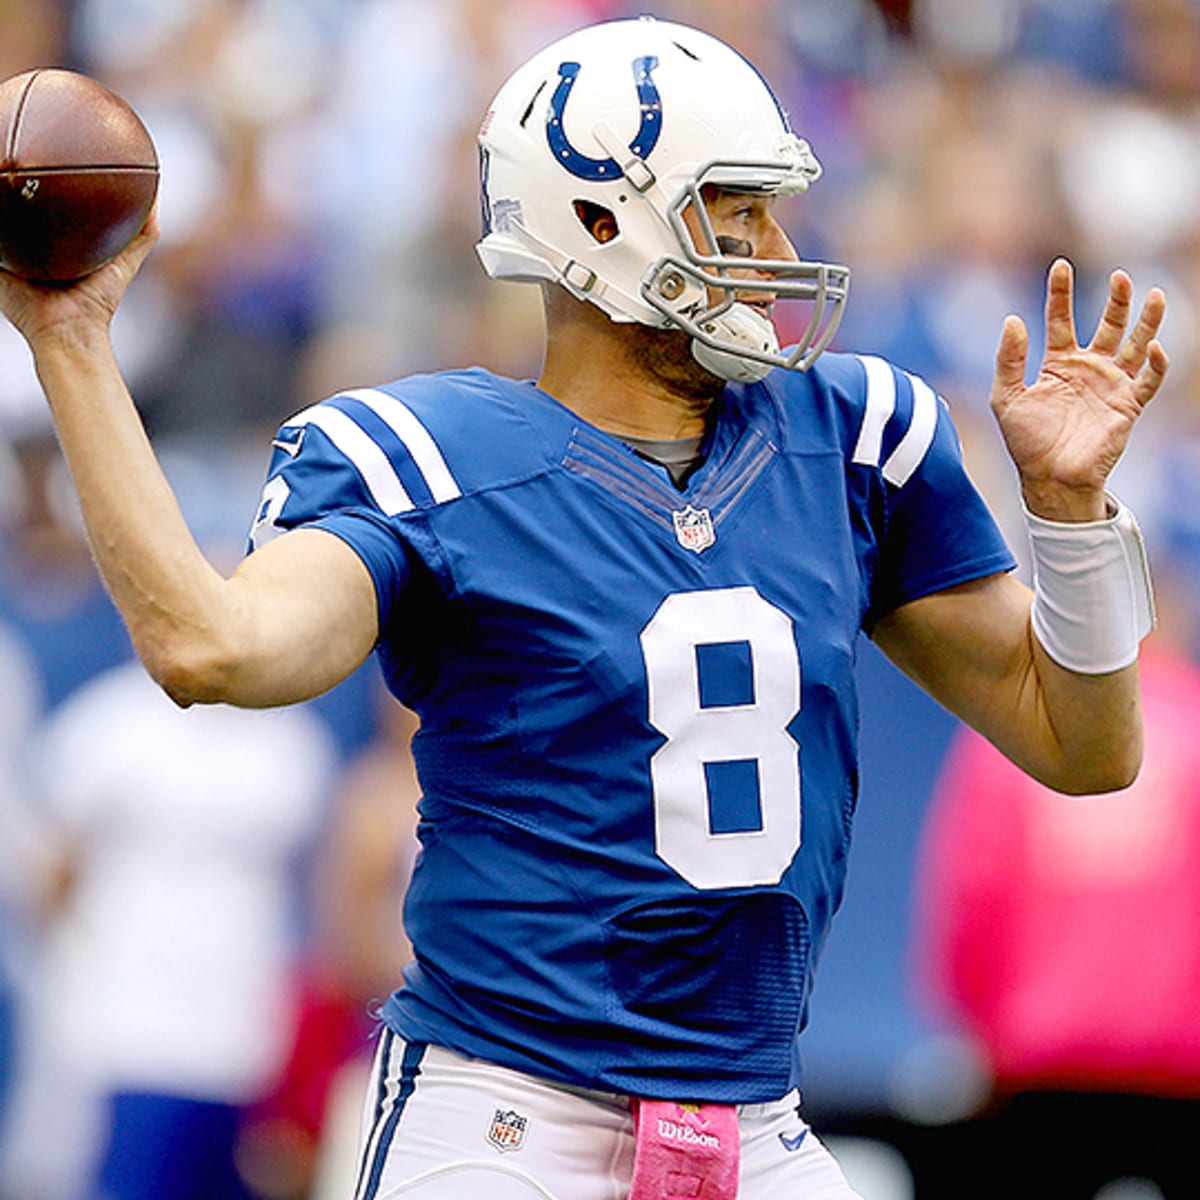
{"type": "Point", "coordinates": [775, 244]}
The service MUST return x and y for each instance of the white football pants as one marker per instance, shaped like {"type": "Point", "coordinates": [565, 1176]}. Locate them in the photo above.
{"type": "Point", "coordinates": [438, 1126]}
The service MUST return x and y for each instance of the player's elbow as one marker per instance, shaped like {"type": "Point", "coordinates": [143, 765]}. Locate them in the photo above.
{"type": "Point", "coordinates": [1114, 777]}
{"type": "Point", "coordinates": [191, 669]}
{"type": "Point", "coordinates": [1112, 770]}
{"type": "Point", "coordinates": [1094, 783]}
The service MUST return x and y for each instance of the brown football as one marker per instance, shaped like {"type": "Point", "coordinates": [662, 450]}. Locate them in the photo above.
{"type": "Point", "coordinates": [78, 175]}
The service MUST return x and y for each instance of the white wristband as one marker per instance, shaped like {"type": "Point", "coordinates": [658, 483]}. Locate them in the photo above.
{"type": "Point", "coordinates": [1092, 597]}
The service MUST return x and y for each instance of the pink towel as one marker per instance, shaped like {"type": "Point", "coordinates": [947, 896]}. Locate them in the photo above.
{"type": "Point", "coordinates": [685, 1151]}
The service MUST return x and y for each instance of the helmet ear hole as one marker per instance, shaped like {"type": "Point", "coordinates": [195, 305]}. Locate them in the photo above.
{"type": "Point", "coordinates": [599, 221]}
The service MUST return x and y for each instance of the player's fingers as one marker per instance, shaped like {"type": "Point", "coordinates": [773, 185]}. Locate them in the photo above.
{"type": "Point", "coordinates": [1060, 316]}
{"type": "Point", "coordinates": [1115, 318]}
{"type": "Point", "coordinates": [1010, 356]}
{"type": "Point", "coordinates": [106, 286]}
{"type": "Point", "coordinates": [5, 283]}
{"type": "Point", "coordinates": [144, 241]}
{"type": "Point", "coordinates": [1150, 377]}
{"type": "Point", "coordinates": [1136, 347]}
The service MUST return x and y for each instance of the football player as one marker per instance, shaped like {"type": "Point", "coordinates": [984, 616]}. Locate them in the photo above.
{"type": "Point", "coordinates": [624, 600]}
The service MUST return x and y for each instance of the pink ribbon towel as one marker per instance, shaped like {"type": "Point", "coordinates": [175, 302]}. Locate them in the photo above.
{"type": "Point", "coordinates": [685, 1151]}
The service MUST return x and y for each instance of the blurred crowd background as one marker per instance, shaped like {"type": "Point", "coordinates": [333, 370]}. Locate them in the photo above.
{"type": "Point", "coordinates": [197, 910]}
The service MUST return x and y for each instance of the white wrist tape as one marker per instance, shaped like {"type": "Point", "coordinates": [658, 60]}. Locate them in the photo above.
{"type": "Point", "coordinates": [1092, 598]}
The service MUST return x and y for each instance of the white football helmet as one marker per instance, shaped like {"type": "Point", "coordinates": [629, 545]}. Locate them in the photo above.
{"type": "Point", "coordinates": [634, 118]}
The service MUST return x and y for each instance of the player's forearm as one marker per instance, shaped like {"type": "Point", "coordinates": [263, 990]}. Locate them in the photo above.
{"type": "Point", "coordinates": [973, 648]}
{"type": "Point", "coordinates": [1077, 733]}
{"type": "Point", "coordinates": [1089, 725]}
{"type": "Point", "coordinates": [1092, 605]}
{"type": "Point", "coordinates": [174, 602]}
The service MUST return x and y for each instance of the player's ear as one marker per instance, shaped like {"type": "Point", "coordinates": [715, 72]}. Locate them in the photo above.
{"type": "Point", "coordinates": [597, 220]}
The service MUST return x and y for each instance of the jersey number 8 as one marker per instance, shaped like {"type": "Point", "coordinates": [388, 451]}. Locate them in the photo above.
{"type": "Point", "coordinates": [724, 684]}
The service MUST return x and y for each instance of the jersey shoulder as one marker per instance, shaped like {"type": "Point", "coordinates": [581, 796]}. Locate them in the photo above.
{"type": "Point", "coordinates": [880, 416]}
{"type": "Point", "coordinates": [427, 439]}
{"type": "Point", "coordinates": [406, 447]}
{"type": "Point", "coordinates": [488, 429]}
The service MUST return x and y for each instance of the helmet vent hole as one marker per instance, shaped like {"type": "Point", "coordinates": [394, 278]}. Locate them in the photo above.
{"type": "Point", "coordinates": [599, 221]}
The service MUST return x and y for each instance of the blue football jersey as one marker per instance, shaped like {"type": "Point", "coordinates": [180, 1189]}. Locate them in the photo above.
{"type": "Point", "coordinates": [637, 746]}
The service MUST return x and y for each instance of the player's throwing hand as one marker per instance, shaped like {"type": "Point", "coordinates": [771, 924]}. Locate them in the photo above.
{"type": "Point", "coordinates": [39, 311]}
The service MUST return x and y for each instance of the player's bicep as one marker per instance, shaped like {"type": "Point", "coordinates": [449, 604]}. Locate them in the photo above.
{"type": "Point", "coordinates": [969, 647]}
{"type": "Point", "coordinates": [310, 614]}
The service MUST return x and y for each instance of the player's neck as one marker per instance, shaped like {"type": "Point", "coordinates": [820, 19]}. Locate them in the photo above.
{"type": "Point", "coordinates": [617, 402]}
{"type": "Point", "coordinates": [624, 378]}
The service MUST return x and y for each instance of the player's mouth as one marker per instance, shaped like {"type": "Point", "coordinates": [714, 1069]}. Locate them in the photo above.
{"type": "Point", "coordinates": [760, 303]}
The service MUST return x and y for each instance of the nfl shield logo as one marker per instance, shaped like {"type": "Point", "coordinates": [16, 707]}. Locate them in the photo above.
{"type": "Point", "coordinates": [507, 1131]}
{"type": "Point", "coordinates": [694, 528]}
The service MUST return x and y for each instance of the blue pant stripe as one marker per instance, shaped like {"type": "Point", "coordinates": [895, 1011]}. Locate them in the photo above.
{"type": "Point", "coordinates": [384, 1054]}
{"type": "Point", "coordinates": [410, 1068]}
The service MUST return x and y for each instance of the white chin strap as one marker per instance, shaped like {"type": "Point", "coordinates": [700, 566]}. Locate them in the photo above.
{"type": "Point", "coordinates": [739, 327]}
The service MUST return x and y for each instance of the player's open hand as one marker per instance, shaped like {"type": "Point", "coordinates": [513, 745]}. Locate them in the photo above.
{"type": "Point", "coordinates": [39, 310]}
{"type": "Point", "coordinates": [1067, 429]}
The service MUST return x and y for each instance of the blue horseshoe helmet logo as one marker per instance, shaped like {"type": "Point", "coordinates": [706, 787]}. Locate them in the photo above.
{"type": "Point", "coordinates": [599, 169]}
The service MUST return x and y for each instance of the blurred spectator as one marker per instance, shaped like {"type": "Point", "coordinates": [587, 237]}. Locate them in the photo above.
{"type": "Point", "coordinates": [234, 275]}
{"type": "Point", "coordinates": [304, 1135]}
{"type": "Point", "coordinates": [170, 838]}
{"type": "Point", "coordinates": [949, 224]}
{"type": "Point", "coordinates": [1061, 936]}
{"type": "Point", "coordinates": [404, 291]}
{"type": "Point", "coordinates": [20, 707]}
{"type": "Point", "coordinates": [293, 262]}
{"type": "Point", "coordinates": [50, 592]}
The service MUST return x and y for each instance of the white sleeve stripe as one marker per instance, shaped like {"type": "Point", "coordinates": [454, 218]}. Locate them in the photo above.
{"type": "Point", "coordinates": [881, 403]}
{"type": "Point", "coordinates": [915, 443]}
{"type": "Point", "coordinates": [369, 460]}
{"type": "Point", "coordinates": [416, 438]}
